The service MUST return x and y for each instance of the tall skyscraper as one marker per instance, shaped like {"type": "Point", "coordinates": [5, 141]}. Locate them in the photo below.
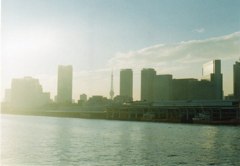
{"type": "Point", "coordinates": [236, 80]}
{"type": "Point", "coordinates": [64, 86]}
{"type": "Point", "coordinates": [147, 79]}
{"type": "Point", "coordinates": [126, 82]}
{"type": "Point", "coordinates": [212, 72]}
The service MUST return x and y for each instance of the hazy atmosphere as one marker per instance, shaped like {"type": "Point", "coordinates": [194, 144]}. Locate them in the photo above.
{"type": "Point", "coordinates": [97, 36]}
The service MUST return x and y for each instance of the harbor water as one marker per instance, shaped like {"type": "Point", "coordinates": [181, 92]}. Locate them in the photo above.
{"type": "Point", "coordinates": [35, 140]}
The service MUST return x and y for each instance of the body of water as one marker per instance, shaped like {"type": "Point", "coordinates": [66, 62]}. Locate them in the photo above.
{"type": "Point", "coordinates": [32, 140]}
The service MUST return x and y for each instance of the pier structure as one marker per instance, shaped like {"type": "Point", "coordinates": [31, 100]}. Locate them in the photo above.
{"type": "Point", "coordinates": [218, 111]}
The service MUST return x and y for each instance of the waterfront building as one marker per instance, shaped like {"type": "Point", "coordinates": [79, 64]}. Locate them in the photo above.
{"type": "Point", "coordinates": [97, 101]}
{"type": "Point", "coordinates": [236, 80]}
{"type": "Point", "coordinates": [162, 87]}
{"type": "Point", "coordinates": [211, 71]}
{"type": "Point", "coordinates": [182, 88]}
{"type": "Point", "coordinates": [27, 93]}
{"type": "Point", "coordinates": [201, 90]}
{"type": "Point", "coordinates": [126, 82]}
{"type": "Point", "coordinates": [64, 86]}
{"type": "Point", "coordinates": [83, 97]}
{"type": "Point", "coordinates": [208, 88]}
{"type": "Point", "coordinates": [122, 99]}
{"type": "Point", "coordinates": [147, 79]}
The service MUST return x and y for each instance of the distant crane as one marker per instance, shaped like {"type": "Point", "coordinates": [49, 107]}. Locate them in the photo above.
{"type": "Point", "coordinates": [111, 90]}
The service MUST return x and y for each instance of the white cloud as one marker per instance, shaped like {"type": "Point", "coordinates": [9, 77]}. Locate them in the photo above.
{"type": "Point", "coordinates": [182, 53]}
{"type": "Point", "coordinates": [199, 30]}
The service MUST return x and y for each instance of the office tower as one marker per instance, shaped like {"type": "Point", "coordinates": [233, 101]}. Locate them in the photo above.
{"type": "Point", "coordinates": [27, 93]}
{"type": "Point", "coordinates": [64, 86]}
{"type": "Point", "coordinates": [147, 79]}
{"type": "Point", "coordinates": [126, 82]}
{"type": "Point", "coordinates": [236, 80]}
{"type": "Point", "coordinates": [212, 72]}
{"type": "Point", "coordinates": [162, 87]}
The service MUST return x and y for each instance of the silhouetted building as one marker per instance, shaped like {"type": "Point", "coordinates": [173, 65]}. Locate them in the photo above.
{"type": "Point", "coordinates": [162, 87]}
{"type": "Point", "coordinates": [209, 88]}
{"type": "Point", "coordinates": [182, 88]}
{"type": "Point", "coordinates": [212, 72]}
{"type": "Point", "coordinates": [147, 79]}
{"type": "Point", "coordinates": [64, 86]}
{"type": "Point", "coordinates": [236, 80]}
{"type": "Point", "coordinates": [201, 90]}
{"type": "Point", "coordinates": [27, 93]}
{"type": "Point", "coordinates": [83, 97]}
{"type": "Point", "coordinates": [97, 101]}
{"type": "Point", "coordinates": [126, 82]}
{"type": "Point", "coordinates": [122, 99]}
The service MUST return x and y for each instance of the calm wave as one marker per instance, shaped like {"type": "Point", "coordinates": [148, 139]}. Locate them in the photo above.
{"type": "Point", "coordinates": [29, 140]}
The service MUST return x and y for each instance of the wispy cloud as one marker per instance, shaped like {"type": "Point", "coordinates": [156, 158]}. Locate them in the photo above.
{"type": "Point", "coordinates": [199, 30]}
{"type": "Point", "coordinates": [183, 59]}
{"type": "Point", "coordinates": [180, 54]}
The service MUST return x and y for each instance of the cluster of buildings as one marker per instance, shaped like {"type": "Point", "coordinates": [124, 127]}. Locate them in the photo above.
{"type": "Point", "coordinates": [164, 87]}
{"type": "Point", "coordinates": [156, 88]}
{"type": "Point", "coordinates": [27, 92]}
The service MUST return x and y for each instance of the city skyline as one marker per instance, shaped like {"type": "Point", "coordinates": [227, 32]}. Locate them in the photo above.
{"type": "Point", "coordinates": [154, 87]}
{"type": "Point", "coordinates": [96, 36]}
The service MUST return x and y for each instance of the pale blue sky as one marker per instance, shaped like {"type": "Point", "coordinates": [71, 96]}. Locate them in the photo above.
{"type": "Point", "coordinates": [37, 35]}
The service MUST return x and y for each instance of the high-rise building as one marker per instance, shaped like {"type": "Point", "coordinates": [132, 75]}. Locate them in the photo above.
{"type": "Point", "coordinates": [126, 82]}
{"type": "Point", "coordinates": [64, 86]}
{"type": "Point", "coordinates": [162, 87]}
{"type": "Point", "coordinates": [212, 72]}
{"type": "Point", "coordinates": [236, 80]}
{"type": "Point", "coordinates": [147, 79]}
{"type": "Point", "coordinates": [27, 93]}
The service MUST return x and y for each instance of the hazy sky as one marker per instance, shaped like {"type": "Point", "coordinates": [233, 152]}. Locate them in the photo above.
{"type": "Point", "coordinates": [96, 36]}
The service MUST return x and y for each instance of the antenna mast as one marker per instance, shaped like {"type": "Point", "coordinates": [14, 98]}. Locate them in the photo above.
{"type": "Point", "coordinates": [111, 90]}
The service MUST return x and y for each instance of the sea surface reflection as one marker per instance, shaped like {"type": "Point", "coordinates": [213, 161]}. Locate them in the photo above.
{"type": "Point", "coordinates": [31, 140]}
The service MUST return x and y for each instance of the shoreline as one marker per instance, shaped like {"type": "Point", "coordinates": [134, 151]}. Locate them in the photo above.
{"type": "Point", "coordinates": [103, 116]}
